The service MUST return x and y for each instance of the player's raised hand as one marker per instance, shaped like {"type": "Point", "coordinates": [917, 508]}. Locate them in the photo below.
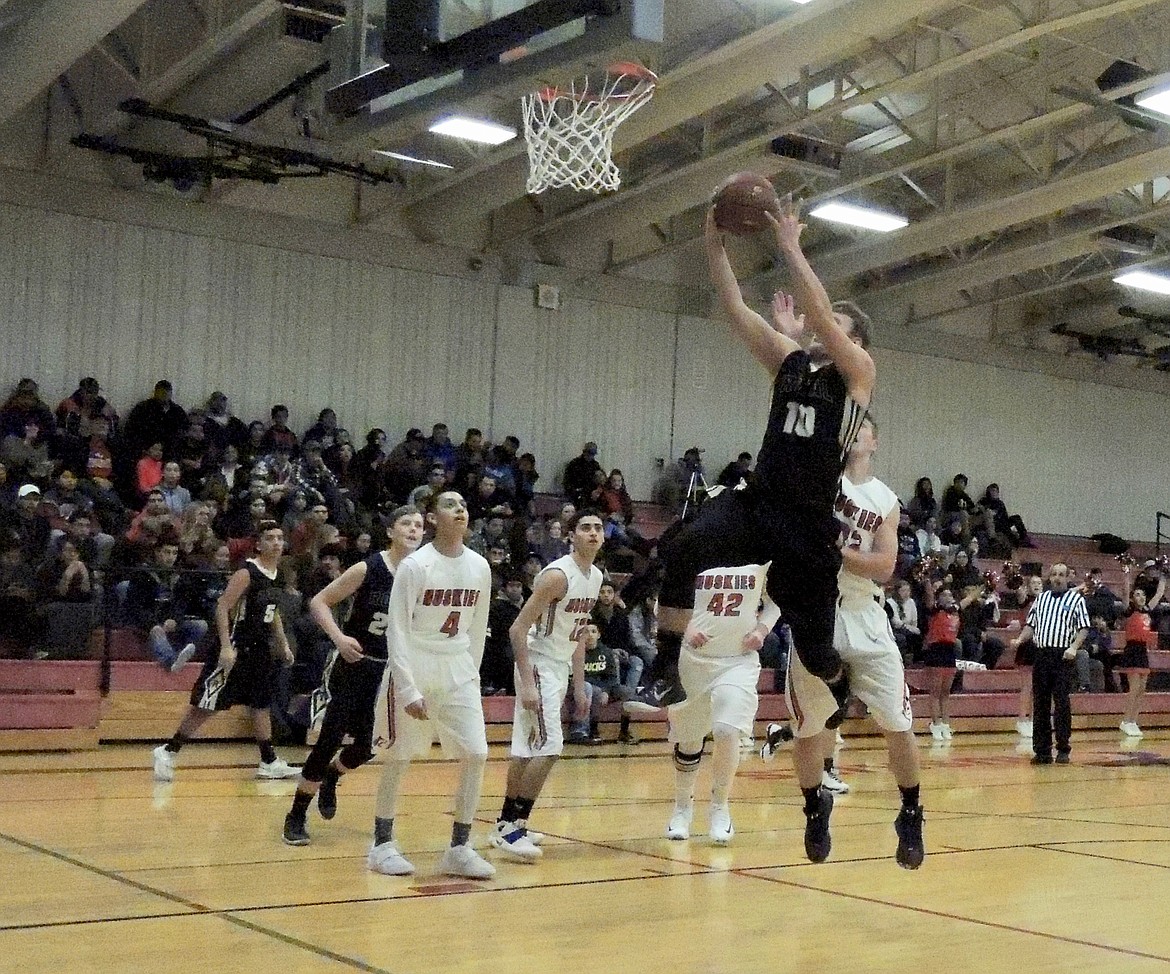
{"type": "Point", "coordinates": [784, 317]}
{"type": "Point", "coordinates": [786, 226]}
{"type": "Point", "coordinates": [417, 709]}
{"type": "Point", "coordinates": [350, 649]}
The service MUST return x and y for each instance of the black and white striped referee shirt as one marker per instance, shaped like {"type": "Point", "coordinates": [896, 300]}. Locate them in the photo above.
{"type": "Point", "coordinates": [1056, 619]}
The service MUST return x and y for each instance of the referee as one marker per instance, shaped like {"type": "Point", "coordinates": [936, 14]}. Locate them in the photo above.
{"type": "Point", "coordinates": [1058, 622]}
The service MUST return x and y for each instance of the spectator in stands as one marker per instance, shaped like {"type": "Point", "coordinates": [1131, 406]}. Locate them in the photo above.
{"type": "Point", "coordinates": [501, 464]}
{"type": "Point", "coordinates": [66, 578]}
{"type": "Point", "coordinates": [18, 618]}
{"type": "Point", "coordinates": [962, 575]}
{"type": "Point", "coordinates": [1100, 599]}
{"type": "Point", "coordinates": [367, 468]}
{"type": "Point", "coordinates": [220, 427]}
{"type": "Point", "coordinates": [957, 511]}
{"type": "Point", "coordinates": [979, 614]}
{"type": "Point", "coordinates": [642, 596]}
{"type": "Point", "coordinates": [24, 408]}
{"type": "Point", "coordinates": [325, 569]}
{"type": "Point", "coordinates": [77, 413]}
{"type": "Point", "coordinates": [613, 626]}
{"type": "Point", "coordinates": [63, 499]}
{"type": "Point", "coordinates": [908, 549]}
{"type": "Point", "coordinates": [441, 450]}
{"type": "Point", "coordinates": [152, 522]}
{"type": "Point", "coordinates": [436, 483]}
{"type": "Point", "coordinates": [7, 490]}
{"type": "Point", "coordinates": [278, 433]}
{"type": "Point", "coordinates": [903, 613]}
{"type": "Point", "coordinates": [602, 684]}
{"type": "Point", "coordinates": [27, 455]}
{"type": "Point", "coordinates": [579, 477]}
{"type": "Point", "coordinates": [469, 456]}
{"type": "Point", "coordinates": [176, 497]}
{"type": "Point", "coordinates": [192, 454]}
{"type": "Point", "coordinates": [148, 471]}
{"type": "Point", "coordinates": [615, 497]}
{"type": "Point", "coordinates": [26, 528]}
{"type": "Point", "coordinates": [553, 545]}
{"type": "Point", "coordinates": [357, 550]}
{"type": "Point", "coordinates": [529, 570]}
{"type": "Point", "coordinates": [1095, 657]}
{"type": "Point", "coordinates": [152, 607]}
{"type": "Point", "coordinates": [197, 541]}
{"type": "Point", "coordinates": [739, 469]}
{"type": "Point", "coordinates": [253, 448]}
{"type": "Point", "coordinates": [323, 431]}
{"type": "Point", "coordinates": [296, 511]}
{"type": "Point", "coordinates": [406, 467]}
{"type": "Point", "coordinates": [1007, 526]}
{"type": "Point", "coordinates": [497, 672]}
{"type": "Point", "coordinates": [308, 536]}
{"type": "Point", "coordinates": [923, 504]}
{"type": "Point", "coordinates": [1134, 659]}
{"type": "Point", "coordinates": [939, 655]}
{"type": "Point", "coordinates": [198, 591]}
{"type": "Point", "coordinates": [158, 419]}
{"type": "Point", "coordinates": [489, 500]}
{"type": "Point", "coordinates": [276, 473]}
{"type": "Point", "coordinates": [315, 479]}
{"type": "Point", "coordinates": [96, 457]}
{"type": "Point", "coordinates": [526, 478]}
{"type": "Point", "coordinates": [929, 543]}
{"type": "Point", "coordinates": [339, 460]}
{"type": "Point", "coordinates": [84, 530]}
{"type": "Point", "coordinates": [228, 473]}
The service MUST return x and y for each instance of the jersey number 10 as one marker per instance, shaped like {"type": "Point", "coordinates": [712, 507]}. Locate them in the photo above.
{"type": "Point", "coordinates": [801, 420]}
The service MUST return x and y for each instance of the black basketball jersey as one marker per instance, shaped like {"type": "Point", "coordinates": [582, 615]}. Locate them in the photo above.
{"type": "Point", "coordinates": [812, 423]}
{"type": "Point", "coordinates": [254, 613]}
{"type": "Point", "coordinates": [371, 603]}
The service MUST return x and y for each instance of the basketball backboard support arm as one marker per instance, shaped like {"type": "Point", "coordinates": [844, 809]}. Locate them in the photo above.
{"type": "Point", "coordinates": [413, 54]}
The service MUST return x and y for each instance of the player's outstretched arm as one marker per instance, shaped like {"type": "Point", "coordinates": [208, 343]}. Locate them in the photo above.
{"type": "Point", "coordinates": [853, 360]}
{"type": "Point", "coordinates": [550, 587]}
{"type": "Point", "coordinates": [403, 597]}
{"type": "Point", "coordinates": [767, 345]}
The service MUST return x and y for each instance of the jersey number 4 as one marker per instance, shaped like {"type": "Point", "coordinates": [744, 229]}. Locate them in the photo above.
{"type": "Point", "coordinates": [450, 628]}
{"type": "Point", "coordinates": [725, 605]}
{"type": "Point", "coordinates": [801, 420]}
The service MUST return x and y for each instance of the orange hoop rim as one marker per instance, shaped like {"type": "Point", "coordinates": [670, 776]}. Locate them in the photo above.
{"type": "Point", "coordinates": [618, 69]}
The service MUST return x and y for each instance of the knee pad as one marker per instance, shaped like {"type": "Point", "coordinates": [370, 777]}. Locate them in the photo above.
{"type": "Point", "coordinates": [687, 762]}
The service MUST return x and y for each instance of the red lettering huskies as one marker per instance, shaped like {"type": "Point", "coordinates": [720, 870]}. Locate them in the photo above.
{"type": "Point", "coordinates": [456, 598]}
{"type": "Point", "coordinates": [739, 582]}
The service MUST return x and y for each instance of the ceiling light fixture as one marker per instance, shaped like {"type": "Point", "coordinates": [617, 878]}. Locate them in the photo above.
{"type": "Point", "coordinates": [1157, 101]}
{"type": "Point", "coordinates": [859, 216]}
{"type": "Point", "coordinates": [1144, 281]}
{"type": "Point", "coordinates": [405, 158]}
{"type": "Point", "coordinates": [474, 130]}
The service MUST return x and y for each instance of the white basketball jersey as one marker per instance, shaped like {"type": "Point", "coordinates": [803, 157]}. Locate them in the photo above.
{"type": "Point", "coordinates": [862, 509]}
{"type": "Point", "coordinates": [555, 635]}
{"type": "Point", "coordinates": [440, 604]}
{"type": "Point", "coordinates": [726, 603]}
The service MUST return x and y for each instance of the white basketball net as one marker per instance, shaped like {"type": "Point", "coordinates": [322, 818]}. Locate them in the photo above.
{"type": "Point", "coordinates": [570, 133]}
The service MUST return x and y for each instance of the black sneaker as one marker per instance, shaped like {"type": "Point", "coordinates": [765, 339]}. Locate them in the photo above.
{"type": "Point", "coordinates": [295, 832]}
{"type": "Point", "coordinates": [775, 736]}
{"type": "Point", "coordinates": [840, 691]}
{"type": "Point", "coordinates": [327, 796]}
{"type": "Point", "coordinates": [908, 825]}
{"type": "Point", "coordinates": [1041, 758]}
{"type": "Point", "coordinates": [817, 841]}
{"type": "Point", "coordinates": [662, 692]}
{"type": "Point", "coordinates": [1062, 757]}
{"type": "Point", "coordinates": [627, 737]}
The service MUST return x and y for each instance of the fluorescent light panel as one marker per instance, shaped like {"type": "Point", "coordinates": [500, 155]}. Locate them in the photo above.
{"type": "Point", "coordinates": [404, 158]}
{"type": "Point", "coordinates": [474, 130]}
{"type": "Point", "coordinates": [859, 216]}
{"type": "Point", "coordinates": [1144, 281]}
{"type": "Point", "coordinates": [1158, 101]}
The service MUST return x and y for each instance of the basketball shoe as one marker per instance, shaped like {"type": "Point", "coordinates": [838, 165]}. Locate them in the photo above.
{"type": "Point", "coordinates": [679, 826]}
{"type": "Point", "coordinates": [817, 841]}
{"type": "Point", "coordinates": [327, 795]}
{"type": "Point", "coordinates": [164, 764]}
{"type": "Point", "coordinates": [385, 858]}
{"type": "Point", "coordinates": [295, 832]}
{"type": "Point", "coordinates": [774, 737]}
{"type": "Point", "coordinates": [514, 843]}
{"type": "Point", "coordinates": [462, 860]}
{"type": "Point", "coordinates": [832, 781]}
{"type": "Point", "coordinates": [275, 770]}
{"type": "Point", "coordinates": [720, 829]}
{"type": "Point", "coordinates": [908, 826]}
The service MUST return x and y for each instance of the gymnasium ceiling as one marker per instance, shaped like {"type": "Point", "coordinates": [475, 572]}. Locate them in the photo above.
{"type": "Point", "coordinates": [963, 116]}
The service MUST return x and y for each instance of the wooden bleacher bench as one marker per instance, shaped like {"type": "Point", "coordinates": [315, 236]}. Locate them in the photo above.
{"type": "Point", "coordinates": [49, 705]}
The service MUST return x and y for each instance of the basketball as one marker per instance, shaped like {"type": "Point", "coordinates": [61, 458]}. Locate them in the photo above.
{"type": "Point", "coordinates": [741, 202]}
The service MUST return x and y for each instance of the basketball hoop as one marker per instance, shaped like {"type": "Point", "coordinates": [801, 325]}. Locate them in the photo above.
{"type": "Point", "coordinates": [570, 133]}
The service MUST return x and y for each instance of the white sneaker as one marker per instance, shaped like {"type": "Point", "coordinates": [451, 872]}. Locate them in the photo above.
{"type": "Point", "coordinates": [536, 838]}
{"type": "Point", "coordinates": [1024, 728]}
{"type": "Point", "coordinates": [1130, 728]}
{"type": "Point", "coordinates": [679, 826]}
{"type": "Point", "coordinates": [274, 770]}
{"type": "Point", "coordinates": [164, 764]}
{"type": "Point", "coordinates": [186, 654]}
{"type": "Point", "coordinates": [387, 860]}
{"type": "Point", "coordinates": [832, 781]}
{"type": "Point", "coordinates": [720, 830]}
{"type": "Point", "coordinates": [462, 860]}
{"type": "Point", "coordinates": [513, 843]}
{"type": "Point", "coordinates": [970, 664]}
{"type": "Point", "coordinates": [946, 732]}
{"type": "Point", "coordinates": [936, 731]}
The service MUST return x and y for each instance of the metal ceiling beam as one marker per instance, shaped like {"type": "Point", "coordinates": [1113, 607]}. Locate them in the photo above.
{"type": "Point", "coordinates": [40, 49]}
{"type": "Point", "coordinates": [816, 34]}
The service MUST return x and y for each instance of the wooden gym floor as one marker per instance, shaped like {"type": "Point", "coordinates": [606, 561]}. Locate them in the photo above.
{"type": "Point", "coordinates": [1028, 870]}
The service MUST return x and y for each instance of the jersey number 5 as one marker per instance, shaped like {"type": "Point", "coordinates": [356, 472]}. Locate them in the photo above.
{"type": "Point", "coordinates": [801, 420]}
{"type": "Point", "coordinates": [450, 628]}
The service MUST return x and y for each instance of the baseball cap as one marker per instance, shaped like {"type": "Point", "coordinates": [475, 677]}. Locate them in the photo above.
{"type": "Point", "coordinates": [28, 489]}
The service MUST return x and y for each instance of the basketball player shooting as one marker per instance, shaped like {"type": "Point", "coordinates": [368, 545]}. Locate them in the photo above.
{"type": "Point", "coordinates": [819, 398]}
